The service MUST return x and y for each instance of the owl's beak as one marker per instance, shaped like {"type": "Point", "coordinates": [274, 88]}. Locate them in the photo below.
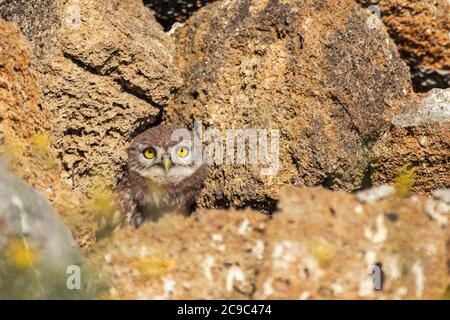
{"type": "Point", "coordinates": [166, 164]}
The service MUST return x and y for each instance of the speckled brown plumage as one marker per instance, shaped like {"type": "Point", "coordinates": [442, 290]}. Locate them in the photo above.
{"type": "Point", "coordinates": [146, 192]}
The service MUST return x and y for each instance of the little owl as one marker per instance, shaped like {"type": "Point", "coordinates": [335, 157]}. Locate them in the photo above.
{"type": "Point", "coordinates": [161, 175]}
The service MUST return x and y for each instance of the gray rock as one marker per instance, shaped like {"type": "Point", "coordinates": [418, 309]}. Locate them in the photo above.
{"type": "Point", "coordinates": [38, 255]}
{"type": "Point", "coordinates": [435, 108]}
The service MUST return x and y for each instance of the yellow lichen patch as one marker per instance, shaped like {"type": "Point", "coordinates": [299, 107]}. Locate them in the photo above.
{"type": "Point", "coordinates": [104, 207]}
{"type": "Point", "coordinates": [22, 255]}
{"type": "Point", "coordinates": [323, 251]}
{"type": "Point", "coordinates": [42, 142]}
{"type": "Point", "coordinates": [405, 180]}
{"type": "Point", "coordinates": [153, 265]}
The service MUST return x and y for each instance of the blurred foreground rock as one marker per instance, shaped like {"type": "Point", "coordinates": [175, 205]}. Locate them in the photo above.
{"type": "Point", "coordinates": [313, 70]}
{"type": "Point", "coordinates": [105, 68]}
{"type": "Point", "coordinates": [24, 139]}
{"type": "Point", "coordinates": [37, 252]}
{"type": "Point", "coordinates": [421, 31]}
{"type": "Point", "coordinates": [418, 142]}
{"type": "Point", "coordinates": [320, 244]}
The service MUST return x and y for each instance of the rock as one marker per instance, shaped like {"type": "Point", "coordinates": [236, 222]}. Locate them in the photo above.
{"type": "Point", "coordinates": [37, 252]}
{"type": "Point", "coordinates": [312, 255]}
{"type": "Point", "coordinates": [315, 71]}
{"type": "Point", "coordinates": [24, 138]}
{"type": "Point", "coordinates": [213, 255]}
{"type": "Point", "coordinates": [419, 139]}
{"type": "Point", "coordinates": [304, 251]}
{"type": "Point", "coordinates": [105, 68]}
{"type": "Point", "coordinates": [421, 31]}
{"type": "Point", "coordinates": [169, 12]}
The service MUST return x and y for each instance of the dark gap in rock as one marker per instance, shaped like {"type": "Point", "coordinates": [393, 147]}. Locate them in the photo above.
{"type": "Point", "coordinates": [167, 12]}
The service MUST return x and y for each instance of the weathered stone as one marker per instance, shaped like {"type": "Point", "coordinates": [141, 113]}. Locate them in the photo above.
{"type": "Point", "coordinates": [105, 68]}
{"type": "Point", "coordinates": [24, 139]}
{"type": "Point", "coordinates": [318, 245]}
{"type": "Point", "coordinates": [326, 245]}
{"type": "Point", "coordinates": [314, 70]}
{"type": "Point", "coordinates": [37, 252]}
{"type": "Point", "coordinates": [420, 140]}
{"type": "Point", "coordinates": [212, 255]}
{"type": "Point", "coordinates": [421, 31]}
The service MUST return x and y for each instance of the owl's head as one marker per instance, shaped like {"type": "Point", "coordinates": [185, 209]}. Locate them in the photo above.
{"type": "Point", "coordinates": [158, 156]}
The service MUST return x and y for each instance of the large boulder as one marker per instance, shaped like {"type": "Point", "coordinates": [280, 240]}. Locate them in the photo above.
{"type": "Point", "coordinates": [24, 135]}
{"type": "Point", "coordinates": [38, 254]}
{"type": "Point", "coordinates": [421, 31]}
{"type": "Point", "coordinates": [318, 245]}
{"type": "Point", "coordinates": [316, 71]}
{"type": "Point", "coordinates": [417, 147]}
{"type": "Point", "coordinates": [105, 68]}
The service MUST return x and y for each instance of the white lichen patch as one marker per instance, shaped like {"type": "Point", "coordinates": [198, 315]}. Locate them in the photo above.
{"type": "Point", "coordinates": [234, 274]}
{"type": "Point", "coordinates": [267, 288]}
{"type": "Point", "coordinates": [283, 254]}
{"type": "Point", "coordinates": [245, 227]}
{"type": "Point", "coordinates": [379, 235]}
{"type": "Point", "coordinates": [258, 249]}
{"type": "Point", "coordinates": [336, 288]}
{"type": "Point", "coordinates": [207, 266]}
{"type": "Point", "coordinates": [400, 293]}
{"type": "Point", "coordinates": [433, 109]}
{"type": "Point", "coordinates": [304, 295]}
{"type": "Point", "coordinates": [438, 212]}
{"type": "Point", "coordinates": [419, 277]}
{"type": "Point", "coordinates": [392, 267]}
{"type": "Point", "coordinates": [375, 194]}
{"type": "Point", "coordinates": [442, 195]}
{"type": "Point", "coordinates": [359, 209]}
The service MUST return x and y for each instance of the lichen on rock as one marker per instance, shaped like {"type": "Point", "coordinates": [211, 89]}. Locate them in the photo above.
{"type": "Point", "coordinates": [105, 71]}
{"type": "Point", "coordinates": [313, 70]}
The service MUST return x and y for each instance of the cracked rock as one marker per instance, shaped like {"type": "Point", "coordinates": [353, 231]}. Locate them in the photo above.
{"type": "Point", "coordinates": [329, 88]}
{"type": "Point", "coordinates": [105, 69]}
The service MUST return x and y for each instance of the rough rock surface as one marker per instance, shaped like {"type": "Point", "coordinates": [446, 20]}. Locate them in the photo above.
{"type": "Point", "coordinates": [105, 68]}
{"type": "Point", "coordinates": [36, 249]}
{"type": "Point", "coordinates": [313, 70]}
{"type": "Point", "coordinates": [168, 12]}
{"type": "Point", "coordinates": [421, 31]}
{"type": "Point", "coordinates": [419, 141]}
{"type": "Point", "coordinates": [304, 251]}
{"type": "Point", "coordinates": [24, 141]}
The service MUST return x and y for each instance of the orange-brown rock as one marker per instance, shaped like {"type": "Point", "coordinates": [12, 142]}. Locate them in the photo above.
{"type": "Point", "coordinates": [421, 31]}
{"type": "Point", "coordinates": [212, 255]}
{"type": "Point", "coordinates": [105, 71]}
{"type": "Point", "coordinates": [315, 71]}
{"type": "Point", "coordinates": [417, 145]}
{"type": "Point", "coordinates": [318, 245]}
{"type": "Point", "coordinates": [24, 139]}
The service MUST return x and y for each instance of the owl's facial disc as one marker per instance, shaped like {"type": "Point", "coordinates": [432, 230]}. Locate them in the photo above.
{"type": "Point", "coordinates": [169, 165]}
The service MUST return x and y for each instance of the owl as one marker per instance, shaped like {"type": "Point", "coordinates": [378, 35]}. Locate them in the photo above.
{"type": "Point", "coordinates": [161, 176]}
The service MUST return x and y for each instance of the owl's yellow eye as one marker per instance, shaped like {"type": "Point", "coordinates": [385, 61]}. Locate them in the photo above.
{"type": "Point", "coordinates": [149, 153]}
{"type": "Point", "coordinates": [183, 152]}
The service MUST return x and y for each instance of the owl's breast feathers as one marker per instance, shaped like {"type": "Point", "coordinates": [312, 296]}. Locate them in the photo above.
{"type": "Point", "coordinates": [141, 199]}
